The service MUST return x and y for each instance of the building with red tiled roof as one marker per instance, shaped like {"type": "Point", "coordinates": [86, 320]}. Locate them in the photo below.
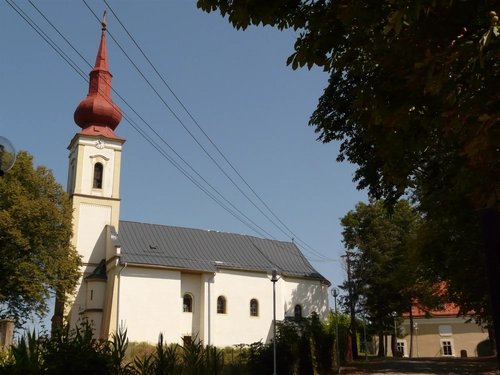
{"type": "Point", "coordinates": [444, 334]}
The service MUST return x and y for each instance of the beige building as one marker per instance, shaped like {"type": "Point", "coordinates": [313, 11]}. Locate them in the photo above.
{"type": "Point", "coordinates": [443, 335]}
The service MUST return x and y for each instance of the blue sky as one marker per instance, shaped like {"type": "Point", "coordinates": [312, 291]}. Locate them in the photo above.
{"type": "Point", "coordinates": [235, 84]}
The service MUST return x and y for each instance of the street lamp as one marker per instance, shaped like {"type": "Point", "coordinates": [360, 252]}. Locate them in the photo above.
{"type": "Point", "coordinates": [335, 293]}
{"type": "Point", "coordinates": [415, 327]}
{"type": "Point", "coordinates": [7, 155]}
{"type": "Point", "coordinates": [366, 342]}
{"type": "Point", "coordinates": [274, 275]}
{"type": "Point", "coordinates": [394, 315]}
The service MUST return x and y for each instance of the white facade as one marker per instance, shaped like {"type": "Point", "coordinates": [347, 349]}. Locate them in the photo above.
{"type": "Point", "coordinates": [151, 301]}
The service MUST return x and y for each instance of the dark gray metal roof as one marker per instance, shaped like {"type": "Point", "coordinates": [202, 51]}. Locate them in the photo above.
{"type": "Point", "coordinates": [205, 250]}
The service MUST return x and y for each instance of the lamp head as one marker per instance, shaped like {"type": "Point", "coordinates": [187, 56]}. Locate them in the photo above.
{"type": "Point", "coordinates": [394, 314]}
{"type": "Point", "coordinates": [7, 155]}
{"type": "Point", "coordinates": [335, 292]}
{"type": "Point", "coordinates": [274, 274]}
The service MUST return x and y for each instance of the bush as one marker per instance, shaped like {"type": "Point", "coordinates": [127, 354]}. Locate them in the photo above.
{"type": "Point", "coordinates": [304, 347]}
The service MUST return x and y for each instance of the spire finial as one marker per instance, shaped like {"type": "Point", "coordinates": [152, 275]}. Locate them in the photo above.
{"type": "Point", "coordinates": [98, 108]}
{"type": "Point", "coordinates": [103, 23]}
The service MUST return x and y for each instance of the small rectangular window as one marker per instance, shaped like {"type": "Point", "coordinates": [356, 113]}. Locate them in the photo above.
{"type": "Point", "coordinates": [187, 303]}
{"type": "Point", "coordinates": [446, 347]}
{"type": "Point", "coordinates": [98, 176]}
{"type": "Point", "coordinates": [254, 307]}
{"type": "Point", "coordinates": [400, 348]}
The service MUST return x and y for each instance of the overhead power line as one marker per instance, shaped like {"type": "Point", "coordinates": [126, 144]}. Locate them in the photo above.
{"type": "Point", "coordinates": [293, 235]}
{"type": "Point", "coordinates": [149, 138]}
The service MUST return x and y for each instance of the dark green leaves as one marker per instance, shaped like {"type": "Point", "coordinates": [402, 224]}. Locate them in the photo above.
{"type": "Point", "coordinates": [36, 258]}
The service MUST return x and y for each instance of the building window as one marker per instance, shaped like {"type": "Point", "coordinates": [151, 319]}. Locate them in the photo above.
{"type": "Point", "coordinates": [446, 348]}
{"type": "Point", "coordinates": [221, 305]}
{"type": "Point", "coordinates": [97, 176]}
{"type": "Point", "coordinates": [187, 303]}
{"type": "Point", "coordinates": [254, 307]}
{"type": "Point", "coordinates": [297, 312]}
{"type": "Point", "coordinates": [400, 348]}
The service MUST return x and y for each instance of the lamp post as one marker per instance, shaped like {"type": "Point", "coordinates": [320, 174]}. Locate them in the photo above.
{"type": "Point", "coordinates": [394, 315]}
{"type": "Point", "coordinates": [415, 327]}
{"type": "Point", "coordinates": [366, 342]}
{"type": "Point", "coordinates": [274, 275]}
{"type": "Point", "coordinates": [335, 293]}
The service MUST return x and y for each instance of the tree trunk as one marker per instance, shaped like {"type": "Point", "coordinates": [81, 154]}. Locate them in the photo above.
{"type": "Point", "coordinates": [381, 350]}
{"type": "Point", "coordinates": [491, 236]}
{"type": "Point", "coordinates": [411, 332]}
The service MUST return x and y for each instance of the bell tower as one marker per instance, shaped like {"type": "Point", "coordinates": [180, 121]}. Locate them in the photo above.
{"type": "Point", "coordinates": [94, 188]}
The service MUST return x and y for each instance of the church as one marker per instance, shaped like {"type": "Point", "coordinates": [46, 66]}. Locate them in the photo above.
{"type": "Point", "coordinates": [151, 279]}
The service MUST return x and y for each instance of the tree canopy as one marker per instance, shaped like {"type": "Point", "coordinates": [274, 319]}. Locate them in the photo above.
{"type": "Point", "coordinates": [37, 260]}
{"type": "Point", "coordinates": [410, 81]}
{"type": "Point", "coordinates": [413, 100]}
{"type": "Point", "coordinates": [384, 273]}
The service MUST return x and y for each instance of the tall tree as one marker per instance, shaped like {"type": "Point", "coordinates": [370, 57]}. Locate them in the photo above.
{"type": "Point", "coordinates": [413, 87]}
{"type": "Point", "coordinates": [37, 261]}
{"type": "Point", "coordinates": [379, 244]}
{"type": "Point", "coordinates": [450, 244]}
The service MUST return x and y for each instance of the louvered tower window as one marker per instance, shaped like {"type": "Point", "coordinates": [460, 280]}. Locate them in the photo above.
{"type": "Point", "coordinates": [98, 176]}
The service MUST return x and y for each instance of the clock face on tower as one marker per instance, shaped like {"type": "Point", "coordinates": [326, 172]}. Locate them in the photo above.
{"type": "Point", "coordinates": [99, 143]}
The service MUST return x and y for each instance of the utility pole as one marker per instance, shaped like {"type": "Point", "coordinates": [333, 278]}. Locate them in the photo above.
{"type": "Point", "coordinates": [351, 306]}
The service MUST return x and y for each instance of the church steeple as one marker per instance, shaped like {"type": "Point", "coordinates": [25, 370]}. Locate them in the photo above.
{"type": "Point", "coordinates": [97, 114]}
{"type": "Point", "coordinates": [94, 188]}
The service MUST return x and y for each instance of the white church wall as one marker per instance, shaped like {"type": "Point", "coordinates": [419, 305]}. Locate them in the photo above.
{"type": "Point", "coordinates": [311, 295]}
{"type": "Point", "coordinates": [207, 301]}
{"type": "Point", "coordinates": [236, 326]}
{"type": "Point", "coordinates": [78, 302]}
{"type": "Point", "coordinates": [96, 290]}
{"type": "Point", "coordinates": [150, 303]}
{"type": "Point", "coordinates": [190, 321]}
{"type": "Point", "coordinates": [94, 318]}
{"type": "Point", "coordinates": [91, 241]}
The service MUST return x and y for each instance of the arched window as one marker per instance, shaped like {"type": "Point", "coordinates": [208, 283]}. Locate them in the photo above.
{"type": "Point", "coordinates": [221, 305]}
{"type": "Point", "coordinates": [297, 312]}
{"type": "Point", "coordinates": [254, 307]}
{"type": "Point", "coordinates": [97, 176]}
{"type": "Point", "coordinates": [187, 303]}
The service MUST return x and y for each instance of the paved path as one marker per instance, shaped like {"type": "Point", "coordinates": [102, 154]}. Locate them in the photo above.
{"type": "Point", "coordinates": [423, 366]}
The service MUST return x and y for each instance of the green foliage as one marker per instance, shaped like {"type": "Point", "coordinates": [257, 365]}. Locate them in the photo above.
{"type": "Point", "coordinates": [190, 359]}
{"type": "Point", "coordinates": [25, 358]}
{"type": "Point", "coordinates": [37, 259]}
{"type": "Point", "coordinates": [405, 88]}
{"type": "Point", "coordinates": [72, 351]}
{"type": "Point", "coordinates": [303, 347]}
{"type": "Point", "coordinates": [383, 273]}
{"type": "Point", "coordinates": [450, 247]}
{"type": "Point", "coordinates": [413, 100]}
